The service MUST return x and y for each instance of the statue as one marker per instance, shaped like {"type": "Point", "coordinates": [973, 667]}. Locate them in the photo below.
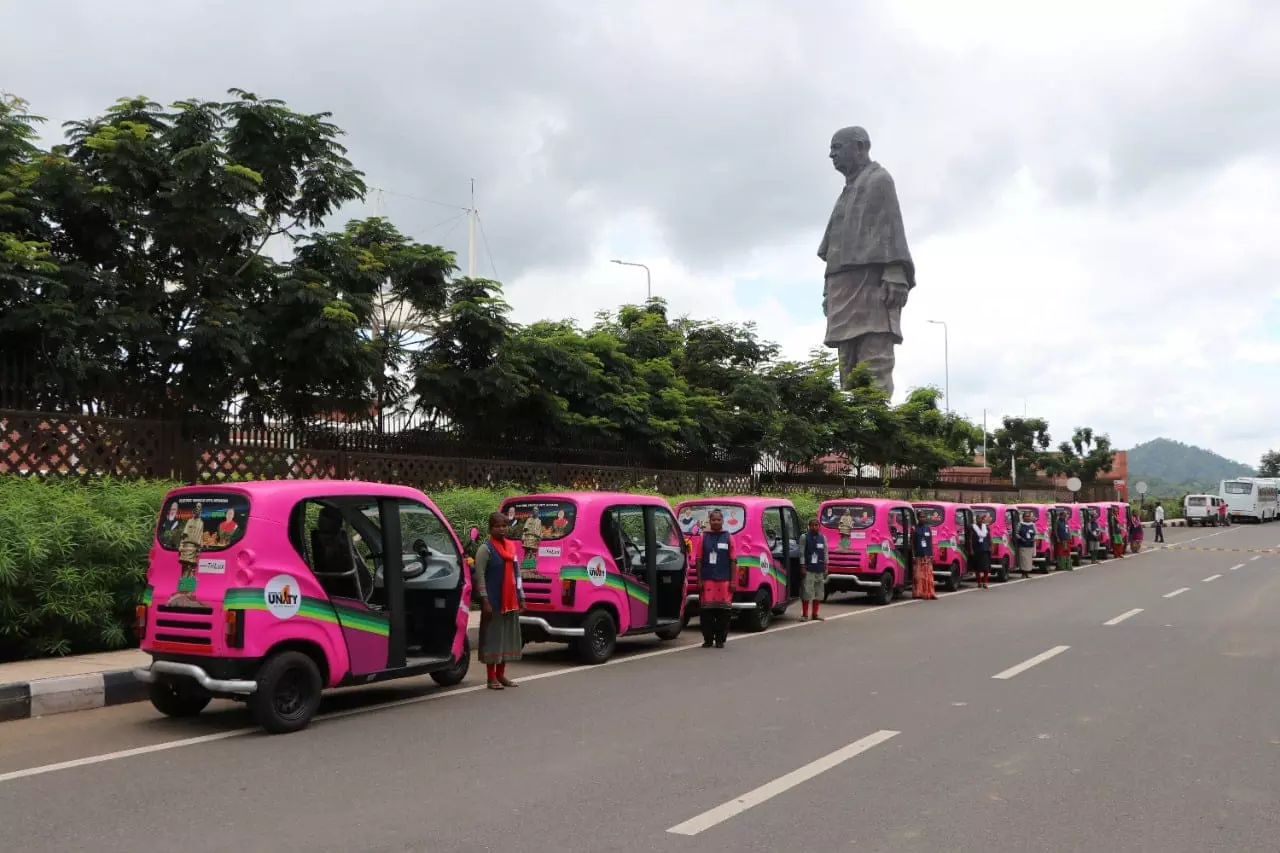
{"type": "Point", "coordinates": [869, 269]}
{"type": "Point", "coordinates": [190, 543]}
{"type": "Point", "coordinates": [531, 539]}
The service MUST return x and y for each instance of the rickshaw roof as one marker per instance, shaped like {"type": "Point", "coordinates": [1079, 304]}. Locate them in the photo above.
{"type": "Point", "coordinates": [947, 504]}
{"type": "Point", "coordinates": [275, 499]}
{"type": "Point", "coordinates": [876, 502]}
{"type": "Point", "coordinates": [746, 501]}
{"type": "Point", "coordinates": [589, 500]}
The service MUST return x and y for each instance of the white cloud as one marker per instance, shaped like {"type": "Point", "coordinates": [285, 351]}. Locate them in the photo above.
{"type": "Point", "coordinates": [1091, 191]}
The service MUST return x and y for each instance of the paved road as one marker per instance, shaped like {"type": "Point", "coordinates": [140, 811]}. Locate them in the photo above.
{"type": "Point", "coordinates": [881, 729]}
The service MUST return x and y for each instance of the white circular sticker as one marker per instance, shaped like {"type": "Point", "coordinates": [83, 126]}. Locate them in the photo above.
{"type": "Point", "coordinates": [766, 563]}
{"type": "Point", "coordinates": [283, 598]}
{"type": "Point", "coordinates": [596, 571]}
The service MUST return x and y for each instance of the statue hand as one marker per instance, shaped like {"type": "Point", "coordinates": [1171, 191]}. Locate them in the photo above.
{"type": "Point", "coordinates": [895, 295]}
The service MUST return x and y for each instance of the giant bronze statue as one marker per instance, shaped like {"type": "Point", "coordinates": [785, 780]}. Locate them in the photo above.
{"type": "Point", "coordinates": [869, 268]}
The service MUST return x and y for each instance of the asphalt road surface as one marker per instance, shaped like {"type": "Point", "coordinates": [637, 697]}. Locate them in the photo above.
{"type": "Point", "coordinates": [1098, 710]}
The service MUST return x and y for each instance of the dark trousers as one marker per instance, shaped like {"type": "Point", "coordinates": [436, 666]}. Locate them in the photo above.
{"type": "Point", "coordinates": [715, 624]}
{"type": "Point", "coordinates": [1159, 531]}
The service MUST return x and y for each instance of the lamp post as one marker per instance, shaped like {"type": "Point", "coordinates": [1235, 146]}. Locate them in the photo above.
{"type": "Point", "coordinates": [946, 359]}
{"type": "Point", "coordinates": [648, 278]}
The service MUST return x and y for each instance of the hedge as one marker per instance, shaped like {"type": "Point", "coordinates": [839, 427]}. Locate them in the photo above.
{"type": "Point", "coordinates": [73, 557]}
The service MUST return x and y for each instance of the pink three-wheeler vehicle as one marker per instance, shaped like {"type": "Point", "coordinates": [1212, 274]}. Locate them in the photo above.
{"type": "Point", "coordinates": [1004, 524]}
{"type": "Point", "coordinates": [1075, 514]}
{"type": "Point", "coordinates": [766, 540]}
{"type": "Point", "coordinates": [1044, 549]}
{"type": "Point", "coordinates": [269, 592]}
{"type": "Point", "coordinates": [950, 523]}
{"type": "Point", "coordinates": [596, 566]}
{"type": "Point", "coordinates": [868, 549]}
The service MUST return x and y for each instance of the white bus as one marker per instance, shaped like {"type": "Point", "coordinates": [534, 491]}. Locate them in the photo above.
{"type": "Point", "coordinates": [1253, 498]}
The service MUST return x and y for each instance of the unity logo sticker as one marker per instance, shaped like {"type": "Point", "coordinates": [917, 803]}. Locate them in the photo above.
{"type": "Point", "coordinates": [283, 599]}
{"type": "Point", "coordinates": [596, 571]}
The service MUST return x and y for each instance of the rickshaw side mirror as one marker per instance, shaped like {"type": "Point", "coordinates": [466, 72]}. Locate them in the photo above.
{"type": "Point", "coordinates": [474, 533]}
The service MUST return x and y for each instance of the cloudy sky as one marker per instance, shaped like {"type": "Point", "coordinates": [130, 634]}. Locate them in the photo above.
{"type": "Point", "coordinates": [1091, 195]}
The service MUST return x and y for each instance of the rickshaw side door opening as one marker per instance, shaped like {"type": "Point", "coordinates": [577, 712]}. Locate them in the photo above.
{"type": "Point", "coordinates": [901, 521]}
{"type": "Point", "coordinates": [774, 528]}
{"type": "Point", "coordinates": [792, 551]}
{"type": "Point", "coordinates": [632, 557]}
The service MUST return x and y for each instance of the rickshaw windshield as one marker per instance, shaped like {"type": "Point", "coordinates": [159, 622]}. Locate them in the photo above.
{"type": "Point", "coordinates": [694, 517]}
{"type": "Point", "coordinates": [212, 521]}
{"type": "Point", "coordinates": [852, 516]}
{"type": "Point", "coordinates": [556, 517]}
{"type": "Point", "coordinates": [930, 515]}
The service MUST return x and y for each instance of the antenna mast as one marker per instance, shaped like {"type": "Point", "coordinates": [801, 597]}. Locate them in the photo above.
{"type": "Point", "coordinates": [472, 213]}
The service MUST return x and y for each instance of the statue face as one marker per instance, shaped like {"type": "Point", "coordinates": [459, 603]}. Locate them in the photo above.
{"type": "Point", "coordinates": [847, 155]}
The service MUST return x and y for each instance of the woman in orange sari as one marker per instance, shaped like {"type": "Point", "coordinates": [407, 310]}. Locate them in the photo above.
{"type": "Point", "coordinates": [501, 601]}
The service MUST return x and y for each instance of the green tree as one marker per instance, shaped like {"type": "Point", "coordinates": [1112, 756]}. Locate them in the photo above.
{"type": "Point", "coordinates": [1085, 456]}
{"type": "Point", "coordinates": [1020, 441]}
{"type": "Point", "coordinates": [1270, 464]}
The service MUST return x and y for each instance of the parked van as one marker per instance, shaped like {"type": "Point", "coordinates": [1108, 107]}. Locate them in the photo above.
{"type": "Point", "coordinates": [1004, 523]}
{"type": "Point", "coordinates": [596, 566]}
{"type": "Point", "coordinates": [867, 546]}
{"type": "Point", "coordinates": [950, 523]}
{"type": "Point", "coordinates": [766, 539]}
{"type": "Point", "coordinates": [1201, 510]}
{"type": "Point", "coordinates": [1044, 550]}
{"type": "Point", "coordinates": [269, 592]}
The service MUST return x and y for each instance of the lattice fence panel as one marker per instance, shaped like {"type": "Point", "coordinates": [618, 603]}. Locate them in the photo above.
{"type": "Point", "coordinates": [83, 446]}
{"type": "Point", "coordinates": [237, 464]}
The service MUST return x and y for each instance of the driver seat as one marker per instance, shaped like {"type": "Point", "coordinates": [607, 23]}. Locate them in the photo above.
{"type": "Point", "coordinates": [337, 566]}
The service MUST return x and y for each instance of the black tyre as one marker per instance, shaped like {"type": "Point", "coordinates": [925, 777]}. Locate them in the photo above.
{"type": "Point", "coordinates": [1002, 570]}
{"type": "Point", "coordinates": [288, 693]}
{"type": "Point", "coordinates": [601, 638]}
{"type": "Point", "coordinates": [953, 582]}
{"type": "Point", "coordinates": [759, 617]}
{"type": "Point", "coordinates": [458, 671]}
{"type": "Point", "coordinates": [884, 594]}
{"type": "Point", "coordinates": [671, 631]}
{"type": "Point", "coordinates": [178, 700]}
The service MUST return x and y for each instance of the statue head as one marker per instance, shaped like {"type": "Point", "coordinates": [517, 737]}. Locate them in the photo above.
{"type": "Point", "coordinates": [850, 149]}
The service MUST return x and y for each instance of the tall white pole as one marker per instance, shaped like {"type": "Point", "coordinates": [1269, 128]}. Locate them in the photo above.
{"type": "Point", "coordinates": [471, 233]}
{"type": "Point", "coordinates": [946, 359]}
{"type": "Point", "coordinates": [984, 438]}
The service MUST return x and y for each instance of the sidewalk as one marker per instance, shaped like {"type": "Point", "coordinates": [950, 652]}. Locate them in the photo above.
{"type": "Point", "coordinates": [37, 688]}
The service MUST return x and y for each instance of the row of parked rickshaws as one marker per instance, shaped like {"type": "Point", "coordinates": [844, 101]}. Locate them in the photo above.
{"type": "Point", "coordinates": [270, 592]}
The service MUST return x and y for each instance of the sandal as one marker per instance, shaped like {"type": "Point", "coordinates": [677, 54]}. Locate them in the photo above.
{"type": "Point", "coordinates": [507, 682]}
{"type": "Point", "coordinates": [495, 685]}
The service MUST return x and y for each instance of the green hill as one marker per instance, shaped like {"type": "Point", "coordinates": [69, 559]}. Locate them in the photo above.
{"type": "Point", "coordinates": [1171, 468]}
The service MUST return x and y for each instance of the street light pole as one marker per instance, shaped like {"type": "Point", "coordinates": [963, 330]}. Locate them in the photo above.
{"type": "Point", "coordinates": [648, 279]}
{"type": "Point", "coordinates": [946, 359]}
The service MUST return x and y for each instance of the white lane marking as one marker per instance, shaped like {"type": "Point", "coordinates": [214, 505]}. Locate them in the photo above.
{"type": "Point", "coordinates": [1238, 566]}
{"type": "Point", "coordinates": [1258, 557]}
{"type": "Point", "coordinates": [769, 790]}
{"type": "Point", "coordinates": [1123, 616]}
{"type": "Point", "coordinates": [1177, 592]}
{"type": "Point", "coordinates": [1210, 578]}
{"type": "Point", "coordinates": [1030, 662]}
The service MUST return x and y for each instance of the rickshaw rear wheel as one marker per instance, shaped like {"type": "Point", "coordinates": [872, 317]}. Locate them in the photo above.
{"type": "Point", "coordinates": [759, 617]}
{"type": "Point", "coordinates": [458, 671]}
{"type": "Point", "coordinates": [953, 582]}
{"type": "Point", "coordinates": [177, 700]}
{"type": "Point", "coordinates": [670, 632]}
{"type": "Point", "coordinates": [884, 594]}
{"type": "Point", "coordinates": [288, 693]}
{"type": "Point", "coordinates": [599, 639]}
{"type": "Point", "coordinates": [1002, 570]}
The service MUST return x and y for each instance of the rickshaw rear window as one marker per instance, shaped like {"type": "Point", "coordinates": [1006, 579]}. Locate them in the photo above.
{"type": "Point", "coordinates": [930, 515]}
{"type": "Point", "coordinates": [855, 516]}
{"type": "Point", "coordinates": [695, 517]}
{"type": "Point", "coordinates": [557, 518]}
{"type": "Point", "coordinates": [212, 521]}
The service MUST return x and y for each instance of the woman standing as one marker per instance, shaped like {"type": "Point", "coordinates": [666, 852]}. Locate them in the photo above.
{"type": "Point", "coordinates": [1135, 530]}
{"type": "Point", "coordinates": [1026, 538]}
{"type": "Point", "coordinates": [922, 548]}
{"type": "Point", "coordinates": [1116, 529]}
{"type": "Point", "coordinates": [715, 571]}
{"type": "Point", "coordinates": [501, 600]}
{"type": "Point", "coordinates": [981, 549]}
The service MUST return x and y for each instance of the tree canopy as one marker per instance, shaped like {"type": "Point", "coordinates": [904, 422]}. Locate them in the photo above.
{"type": "Point", "coordinates": [175, 261]}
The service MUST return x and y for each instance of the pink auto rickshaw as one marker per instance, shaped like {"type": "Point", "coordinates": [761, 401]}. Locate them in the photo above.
{"type": "Point", "coordinates": [950, 522]}
{"type": "Point", "coordinates": [269, 592]}
{"type": "Point", "coordinates": [596, 566]}
{"type": "Point", "coordinates": [766, 540]}
{"type": "Point", "coordinates": [1003, 521]}
{"type": "Point", "coordinates": [867, 546]}
{"type": "Point", "coordinates": [1044, 549]}
{"type": "Point", "coordinates": [1075, 524]}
